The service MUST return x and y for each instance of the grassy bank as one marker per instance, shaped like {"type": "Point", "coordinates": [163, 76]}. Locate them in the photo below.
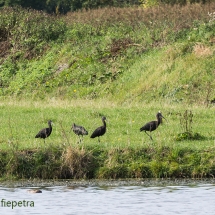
{"type": "Point", "coordinates": [124, 63]}
{"type": "Point", "coordinates": [122, 54]}
{"type": "Point", "coordinates": [123, 151]}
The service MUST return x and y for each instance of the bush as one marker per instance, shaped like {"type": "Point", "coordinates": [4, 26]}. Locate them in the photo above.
{"type": "Point", "coordinates": [29, 28]}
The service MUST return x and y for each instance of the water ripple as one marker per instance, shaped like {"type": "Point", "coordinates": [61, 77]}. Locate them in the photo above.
{"type": "Point", "coordinates": [117, 200]}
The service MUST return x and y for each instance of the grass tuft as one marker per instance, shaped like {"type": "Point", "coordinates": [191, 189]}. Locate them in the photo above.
{"type": "Point", "coordinates": [77, 163]}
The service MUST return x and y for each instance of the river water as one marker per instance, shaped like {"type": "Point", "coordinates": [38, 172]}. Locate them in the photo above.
{"type": "Point", "coordinates": [108, 197]}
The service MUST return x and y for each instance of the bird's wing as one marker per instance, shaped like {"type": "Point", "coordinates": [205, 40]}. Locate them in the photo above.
{"type": "Point", "coordinates": [96, 132]}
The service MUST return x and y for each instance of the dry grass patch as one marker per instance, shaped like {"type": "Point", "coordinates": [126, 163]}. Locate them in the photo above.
{"type": "Point", "coordinates": [201, 50]}
{"type": "Point", "coordinates": [182, 17]}
{"type": "Point", "coordinates": [76, 163]}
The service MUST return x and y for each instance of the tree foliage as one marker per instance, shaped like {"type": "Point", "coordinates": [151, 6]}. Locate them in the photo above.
{"type": "Point", "coordinates": [63, 6]}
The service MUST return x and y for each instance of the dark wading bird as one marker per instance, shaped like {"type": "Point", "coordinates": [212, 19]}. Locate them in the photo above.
{"type": "Point", "coordinates": [79, 130]}
{"type": "Point", "coordinates": [100, 130]}
{"type": "Point", "coordinates": [151, 126]}
{"type": "Point", "coordinates": [45, 132]}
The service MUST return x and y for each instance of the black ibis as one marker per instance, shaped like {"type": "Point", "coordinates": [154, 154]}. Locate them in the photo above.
{"type": "Point", "coordinates": [45, 132]}
{"type": "Point", "coordinates": [100, 130]}
{"type": "Point", "coordinates": [151, 126]}
{"type": "Point", "coordinates": [79, 130]}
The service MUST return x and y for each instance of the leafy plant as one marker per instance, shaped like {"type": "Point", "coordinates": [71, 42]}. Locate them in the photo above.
{"type": "Point", "coordinates": [186, 121]}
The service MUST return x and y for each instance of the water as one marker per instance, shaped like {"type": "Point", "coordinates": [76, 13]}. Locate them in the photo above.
{"type": "Point", "coordinates": [114, 198]}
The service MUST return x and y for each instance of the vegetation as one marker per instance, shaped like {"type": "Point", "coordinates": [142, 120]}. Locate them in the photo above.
{"type": "Point", "coordinates": [57, 6]}
{"type": "Point", "coordinates": [124, 55]}
{"type": "Point", "coordinates": [186, 121]}
{"type": "Point", "coordinates": [125, 64]}
{"type": "Point", "coordinates": [123, 151]}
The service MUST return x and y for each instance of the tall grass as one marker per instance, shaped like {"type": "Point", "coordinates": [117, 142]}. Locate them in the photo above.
{"type": "Point", "coordinates": [125, 64]}
{"type": "Point", "coordinates": [123, 152]}
{"type": "Point", "coordinates": [108, 52]}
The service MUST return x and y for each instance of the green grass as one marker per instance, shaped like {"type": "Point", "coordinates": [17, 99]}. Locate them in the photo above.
{"type": "Point", "coordinates": [122, 54]}
{"type": "Point", "coordinates": [21, 121]}
{"type": "Point", "coordinates": [123, 152]}
{"type": "Point", "coordinates": [126, 64]}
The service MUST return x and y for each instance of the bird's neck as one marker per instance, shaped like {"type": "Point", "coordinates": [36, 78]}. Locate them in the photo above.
{"type": "Point", "coordinates": [104, 123]}
{"type": "Point", "coordinates": [159, 121]}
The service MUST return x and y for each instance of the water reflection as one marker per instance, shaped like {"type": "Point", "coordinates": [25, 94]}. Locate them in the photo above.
{"type": "Point", "coordinates": [133, 199]}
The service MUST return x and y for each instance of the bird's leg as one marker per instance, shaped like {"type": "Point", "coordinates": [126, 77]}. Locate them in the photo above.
{"type": "Point", "coordinates": [99, 139]}
{"type": "Point", "coordinates": [78, 139]}
{"type": "Point", "coordinates": [149, 135]}
{"type": "Point", "coordinates": [81, 139]}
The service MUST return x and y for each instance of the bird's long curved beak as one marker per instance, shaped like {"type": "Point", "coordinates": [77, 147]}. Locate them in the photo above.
{"type": "Point", "coordinates": [164, 117]}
